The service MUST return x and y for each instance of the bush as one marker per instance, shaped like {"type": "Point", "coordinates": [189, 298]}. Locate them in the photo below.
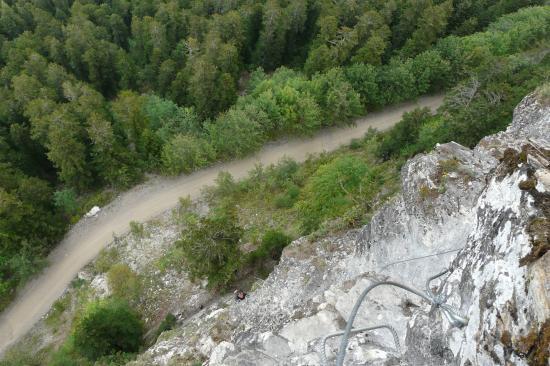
{"type": "Point", "coordinates": [106, 259]}
{"type": "Point", "coordinates": [59, 307]}
{"type": "Point", "coordinates": [66, 200]}
{"type": "Point", "coordinates": [137, 229]}
{"type": "Point", "coordinates": [225, 186]}
{"type": "Point", "coordinates": [431, 132]}
{"type": "Point", "coordinates": [284, 171]}
{"type": "Point", "coordinates": [67, 356]}
{"type": "Point", "coordinates": [210, 246]}
{"type": "Point", "coordinates": [543, 93]}
{"type": "Point", "coordinates": [329, 191]}
{"type": "Point", "coordinates": [336, 96]}
{"type": "Point", "coordinates": [363, 79]}
{"type": "Point", "coordinates": [234, 133]}
{"type": "Point", "coordinates": [273, 243]}
{"type": "Point", "coordinates": [172, 259]}
{"type": "Point", "coordinates": [27, 353]}
{"type": "Point", "coordinates": [168, 120]}
{"type": "Point", "coordinates": [299, 111]}
{"type": "Point", "coordinates": [167, 324]}
{"type": "Point", "coordinates": [397, 82]}
{"type": "Point", "coordinates": [356, 144]}
{"type": "Point", "coordinates": [185, 153]}
{"type": "Point", "coordinates": [431, 71]}
{"type": "Point", "coordinates": [287, 104]}
{"type": "Point", "coordinates": [107, 327]}
{"type": "Point", "coordinates": [123, 282]}
{"type": "Point", "coordinates": [288, 198]}
{"type": "Point", "coordinates": [404, 133]}
{"type": "Point", "coordinates": [271, 247]}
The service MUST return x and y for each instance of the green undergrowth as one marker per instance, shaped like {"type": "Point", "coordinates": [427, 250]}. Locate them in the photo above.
{"type": "Point", "coordinates": [241, 236]}
{"type": "Point", "coordinates": [251, 221]}
{"type": "Point", "coordinates": [90, 107]}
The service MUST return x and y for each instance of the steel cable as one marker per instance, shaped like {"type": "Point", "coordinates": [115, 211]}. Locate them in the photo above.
{"type": "Point", "coordinates": [435, 299]}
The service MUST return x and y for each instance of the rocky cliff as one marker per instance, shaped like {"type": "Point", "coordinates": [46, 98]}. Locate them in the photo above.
{"type": "Point", "coordinates": [482, 213]}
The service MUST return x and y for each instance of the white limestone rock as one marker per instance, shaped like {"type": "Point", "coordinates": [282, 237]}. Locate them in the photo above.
{"type": "Point", "coordinates": [220, 352]}
{"type": "Point", "coordinates": [452, 198]}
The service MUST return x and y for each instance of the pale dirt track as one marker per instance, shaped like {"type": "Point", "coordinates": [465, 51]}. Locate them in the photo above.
{"type": "Point", "coordinates": [86, 239]}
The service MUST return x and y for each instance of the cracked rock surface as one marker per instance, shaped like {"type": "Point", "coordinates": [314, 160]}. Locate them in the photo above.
{"type": "Point", "coordinates": [467, 210]}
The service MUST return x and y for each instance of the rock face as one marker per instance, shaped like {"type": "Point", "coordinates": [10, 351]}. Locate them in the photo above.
{"type": "Point", "coordinates": [482, 213]}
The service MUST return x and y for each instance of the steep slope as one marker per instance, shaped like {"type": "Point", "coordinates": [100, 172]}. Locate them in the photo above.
{"type": "Point", "coordinates": [500, 279]}
{"type": "Point", "coordinates": [481, 213]}
{"type": "Point", "coordinates": [83, 243]}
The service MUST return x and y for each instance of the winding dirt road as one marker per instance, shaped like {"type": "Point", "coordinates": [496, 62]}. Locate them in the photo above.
{"type": "Point", "coordinates": [86, 239]}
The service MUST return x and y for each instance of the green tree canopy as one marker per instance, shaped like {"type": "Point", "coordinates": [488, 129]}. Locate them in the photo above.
{"type": "Point", "coordinates": [210, 246]}
{"type": "Point", "coordinates": [330, 190]}
{"type": "Point", "coordinates": [107, 327]}
{"type": "Point", "coordinates": [185, 153]}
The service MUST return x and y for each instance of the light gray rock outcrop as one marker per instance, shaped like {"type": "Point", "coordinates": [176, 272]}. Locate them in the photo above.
{"type": "Point", "coordinates": [483, 213]}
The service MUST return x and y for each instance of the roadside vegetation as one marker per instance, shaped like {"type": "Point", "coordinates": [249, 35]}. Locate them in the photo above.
{"type": "Point", "coordinates": [96, 95]}
{"type": "Point", "coordinates": [107, 332]}
{"type": "Point", "coordinates": [237, 240]}
{"type": "Point", "coordinates": [250, 222]}
{"type": "Point", "coordinates": [336, 191]}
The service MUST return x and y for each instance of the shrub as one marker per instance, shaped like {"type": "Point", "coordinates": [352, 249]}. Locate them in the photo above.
{"type": "Point", "coordinates": [543, 93]}
{"type": "Point", "coordinates": [66, 200]}
{"type": "Point", "coordinates": [299, 111]}
{"type": "Point", "coordinates": [167, 324]}
{"type": "Point", "coordinates": [284, 171]}
{"type": "Point", "coordinates": [105, 260]}
{"type": "Point", "coordinates": [329, 191]}
{"type": "Point", "coordinates": [185, 153]}
{"type": "Point", "coordinates": [288, 198]}
{"type": "Point", "coordinates": [287, 104]}
{"type": "Point", "coordinates": [397, 82]}
{"type": "Point", "coordinates": [271, 248]}
{"type": "Point", "coordinates": [27, 353]}
{"type": "Point", "coordinates": [273, 243]}
{"type": "Point", "coordinates": [67, 356]}
{"type": "Point", "coordinates": [123, 282]}
{"type": "Point", "coordinates": [363, 79]}
{"type": "Point", "coordinates": [107, 327]}
{"type": "Point", "coordinates": [225, 186]}
{"type": "Point", "coordinates": [58, 309]}
{"type": "Point", "coordinates": [167, 119]}
{"type": "Point", "coordinates": [431, 132]}
{"type": "Point", "coordinates": [137, 229]}
{"type": "Point", "coordinates": [356, 144]}
{"type": "Point", "coordinates": [404, 133]}
{"type": "Point", "coordinates": [210, 246]}
{"type": "Point", "coordinates": [336, 96]}
{"type": "Point", "coordinates": [430, 70]}
{"type": "Point", "coordinates": [234, 133]}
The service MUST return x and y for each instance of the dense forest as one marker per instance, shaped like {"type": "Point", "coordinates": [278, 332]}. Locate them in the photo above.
{"type": "Point", "coordinates": [94, 94]}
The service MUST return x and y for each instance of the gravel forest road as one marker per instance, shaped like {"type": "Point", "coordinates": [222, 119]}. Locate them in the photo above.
{"type": "Point", "coordinates": [86, 239]}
